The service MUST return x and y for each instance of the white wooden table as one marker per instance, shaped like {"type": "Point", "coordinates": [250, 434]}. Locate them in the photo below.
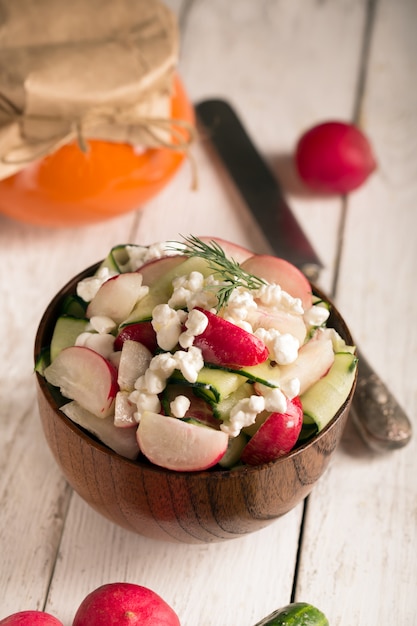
{"type": "Point", "coordinates": [352, 548]}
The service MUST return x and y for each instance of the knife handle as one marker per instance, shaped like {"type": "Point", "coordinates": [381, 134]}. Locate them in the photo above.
{"type": "Point", "coordinates": [378, 417]}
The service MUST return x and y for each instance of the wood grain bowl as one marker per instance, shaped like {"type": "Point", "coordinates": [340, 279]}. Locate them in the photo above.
{"type": "Point", "coordinates": [190, 507]}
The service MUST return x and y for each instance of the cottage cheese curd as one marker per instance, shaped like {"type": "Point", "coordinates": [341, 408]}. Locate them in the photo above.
{"type": "Point", "coordinates": [177, 322]}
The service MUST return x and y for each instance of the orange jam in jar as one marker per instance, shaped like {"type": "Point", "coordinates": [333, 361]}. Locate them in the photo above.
{"type": "Point", "coordinates": [71, 187]}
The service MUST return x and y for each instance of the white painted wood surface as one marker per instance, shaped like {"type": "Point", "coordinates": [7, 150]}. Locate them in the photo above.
{"type": "Point", "coordinates": [285, 65]}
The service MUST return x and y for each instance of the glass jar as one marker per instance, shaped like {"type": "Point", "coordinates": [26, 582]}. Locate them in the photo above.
{"type": "Point", "coordinates": [71, 187]}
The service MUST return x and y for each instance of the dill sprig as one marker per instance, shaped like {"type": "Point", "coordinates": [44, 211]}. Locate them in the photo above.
{"type": "Point", "coordinates": [230, 271]}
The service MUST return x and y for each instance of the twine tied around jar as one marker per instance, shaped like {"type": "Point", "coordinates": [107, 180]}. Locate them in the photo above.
{"type": "Point", "coordinates": [170, 133]}
{"type": "Point", "coordinates": [78, 71]}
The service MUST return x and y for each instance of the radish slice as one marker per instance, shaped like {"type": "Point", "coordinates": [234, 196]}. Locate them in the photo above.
{"type": "Point", "coordinates": [121, 440]}
{"type": "Point", "coordinates": [85, 376]}
{"type": "Point", "coordinates": [117, 297]}
{"type": "Point", "coordinates": [182, 446]}
{"type": "Point", "coordinates": [279, 271]}
{"type": "Point", "coordinates": [224, 343]}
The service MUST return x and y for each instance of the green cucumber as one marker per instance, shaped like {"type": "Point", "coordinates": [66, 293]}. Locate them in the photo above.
{"type": "Point", "coordinates": [212, 384]}
{"type": "Point", "coordinates": [295, 614]}
{"type": "Point", "coordinates": [234, 450]}
{"type": "Point", "coordinates": [117, 259]}
{"type": "Point", "coordinates": [42, 361]}
{"type": "Point", "coordinates": [268, 373]}
{"type": "Point", "coordinates": [222, 408]}
{"type": "Point", "coordinates": [323, 399]}
{"type": "Point", "coordinates": [161, 290]}
{"type": "Point", "coordinates": [66, 332]}
{"type": "Point", "coordinates": [199, 408]}
{"type": "Point", "coordinates": [74, 306]}
{"type": "Point", "coordinates": [308, 430]}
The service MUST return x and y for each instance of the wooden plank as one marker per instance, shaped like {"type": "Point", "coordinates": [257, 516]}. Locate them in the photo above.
{"type": "Point", "coordinates": [365, 571]}
{"type": "Point", "coordinates": [34, 264]}
{"type": "Point", "coordinates": [243, 580]}
{"type": "Point", "coordinates": [215, 584]}
{"type": "Point", "coordinates": [276, 63]}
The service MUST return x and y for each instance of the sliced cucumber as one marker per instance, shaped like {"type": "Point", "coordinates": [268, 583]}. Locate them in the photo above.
{"type": "Point", "coordinates": [268, 373]}
{"type": "Point", "coordinates": [65, 333]}
{"type": "Point", "coordinates": [117, 259]}
{"type": "Point", "coordinates": [308, 430]}
{"type": "Point", "coordinates": [234, 450]}
{"type": "Point", "coordinates": [199, 408]}
{"type": "Point", "coordinates": [222, 409]}
{"type": "Point", "coordinates": [42, 361]}
{"type": "Point", "coordinates": [323, 399]}
{"type": "Point", "coordinates": [161, 290]}
{"type": "Point", "coordinates": [214, 385]}
{"type": "Point", "coordinates": [74, 306]}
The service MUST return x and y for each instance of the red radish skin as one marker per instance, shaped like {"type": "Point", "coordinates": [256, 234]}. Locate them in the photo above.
{"type": "Point", "coordinates": [276, 436]}
{"type": "Point", "coordinates": [224, 343]}
{"type": "Point", "coordinates": [142, 332]}
{"type": "Point", "coordinates": [124, 604]}
{"type": "Point", "coordinates": [30, 618]}
{"type": "Point", "coordinates": [334, 157]}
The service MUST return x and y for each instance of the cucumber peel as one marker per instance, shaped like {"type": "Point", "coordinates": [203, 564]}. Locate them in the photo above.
{"type": "Point", "coordinates": [214, 385]}
{"type": "Point", "coordinates": [295, 614]}
{"type": "Point", "coordinates": [116, 259]}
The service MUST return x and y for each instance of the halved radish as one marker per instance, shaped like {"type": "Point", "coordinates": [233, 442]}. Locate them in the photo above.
{"type": "Point", "coordinates": [142, 332]}
{"type": "Point", "coordinates": [85, 376]}
{"type": "Point", "coordinates": [276, 436]}
{"type": "Point", "coordinates": [282, 321]}
{"type": "Point", "coordinates": [276, 270]}
{"type": "Point", "coordinates": [182, 446]}
{"type": "Point", "coordinates": [124, 410]}
{"type": "Point", "coordinates": [117, 297]}
{"type": "Point", "coordinates": [315, 358]}
{"type": "Point", "coordinates": [224, 343]}
{"type": "Point", "coordinates": [134, 361]}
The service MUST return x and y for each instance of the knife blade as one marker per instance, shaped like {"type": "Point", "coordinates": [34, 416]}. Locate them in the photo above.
{"type": "Point", "coordinates": [258, 186]}
{"type": "Point", "coordinates": [380, 420]}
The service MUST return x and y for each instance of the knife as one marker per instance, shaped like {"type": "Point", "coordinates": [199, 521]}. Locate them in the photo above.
{"type": "Point", "coordinates": [258, 186]}
{"type": "Point", "coordinates": [380, 420]}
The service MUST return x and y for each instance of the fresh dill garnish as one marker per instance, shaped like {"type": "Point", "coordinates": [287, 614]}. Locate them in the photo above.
{"type": "Point", "coordinates": [230, 271]}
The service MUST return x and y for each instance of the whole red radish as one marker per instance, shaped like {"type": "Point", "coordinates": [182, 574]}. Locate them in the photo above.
{"type": "Point", "coordinates": [124, 604]}
{"type": "Point", "coordinates": [30, 618]}
{"type": "Point", "coordinates": [334, 157]}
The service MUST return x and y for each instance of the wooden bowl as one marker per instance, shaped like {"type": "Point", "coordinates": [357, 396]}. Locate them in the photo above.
{"type": "Point", "coordinates": [190, 507]}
